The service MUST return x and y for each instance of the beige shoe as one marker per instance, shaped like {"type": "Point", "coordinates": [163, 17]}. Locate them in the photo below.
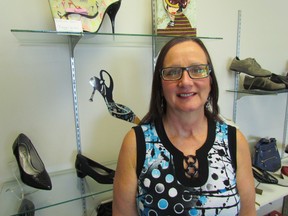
{"type": "Point", "coordinates": [249, 66]}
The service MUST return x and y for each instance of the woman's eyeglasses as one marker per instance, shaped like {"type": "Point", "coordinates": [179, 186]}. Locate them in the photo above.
{"type": "Point", "coordinates": [194, 71]}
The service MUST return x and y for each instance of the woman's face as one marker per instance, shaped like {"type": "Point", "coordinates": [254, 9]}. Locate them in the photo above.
{"type": "Point", "coordinates": [186, 94]}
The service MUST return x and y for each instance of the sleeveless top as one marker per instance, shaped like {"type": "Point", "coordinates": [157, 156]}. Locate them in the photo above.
{"type": "Point", "coordinates": [163, 187]}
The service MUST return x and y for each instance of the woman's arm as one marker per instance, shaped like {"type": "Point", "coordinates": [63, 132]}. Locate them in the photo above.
{"type": "Point", "coordinates": [245, 179]}
{"type": "Point", "coordinates": [125, 181]}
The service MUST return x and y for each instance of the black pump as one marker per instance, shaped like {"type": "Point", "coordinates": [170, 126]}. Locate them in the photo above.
{"type": "Point", "coordinates": [31, 167]}
{"type": "Point", "coordinates": [85, 166]}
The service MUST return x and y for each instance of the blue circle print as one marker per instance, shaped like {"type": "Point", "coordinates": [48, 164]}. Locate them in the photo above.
{"type": "Point", "coordinates": [169, 178]}
{"type": "Point", "coordinates": [156, 173]}
{"type": "Point", "coordinates": [193, 212]}
{"type": "Point", "coordinates": [163, 204]}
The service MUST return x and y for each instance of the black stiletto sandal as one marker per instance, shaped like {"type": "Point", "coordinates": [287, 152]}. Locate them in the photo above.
{"type": "Point", "coordinates": [85, 166]}
{"type": "Point", "coordinates": [115, 109]}
{"type": "Point", "coordinates": [31, 167]}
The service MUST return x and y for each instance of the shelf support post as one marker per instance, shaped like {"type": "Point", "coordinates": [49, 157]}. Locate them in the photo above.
{"type": "Point", "coordinates": [236, 77]}
{"type": "Point", "coordinates": [72, 42]}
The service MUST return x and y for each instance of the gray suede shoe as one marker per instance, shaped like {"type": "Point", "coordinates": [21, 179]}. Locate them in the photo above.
{"type": "Point", "coordinates": [262, 83]}
{"type": "Point", "coordinates": [249, 66]}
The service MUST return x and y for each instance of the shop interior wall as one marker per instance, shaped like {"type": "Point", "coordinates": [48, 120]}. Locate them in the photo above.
{"type": "Point", "coordinates": [36, 95]}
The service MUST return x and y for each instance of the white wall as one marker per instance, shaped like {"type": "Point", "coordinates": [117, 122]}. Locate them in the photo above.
{"type": "Point", "coordinates": [35, 87]}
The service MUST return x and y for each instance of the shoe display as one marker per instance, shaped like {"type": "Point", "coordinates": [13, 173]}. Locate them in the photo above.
{"type": "Point", "coordinates": [26, 208]}
{"type": "Point", "coordinates": [262, 83]}
{"type": "Point", "coordinates": [90, 13]}
{"type": "Point", "coordinates": [85, 166]}
{"type": "Point", "coordinates": [115, 109]}
{"type": "Point", "coordinates": [31, 167]}
{"type": "Point", "coordinates": [249, 66]}
{"type": "Point", "coordinates": [263, 176]}
{"type": "Point", "coordinates": [279, 79]}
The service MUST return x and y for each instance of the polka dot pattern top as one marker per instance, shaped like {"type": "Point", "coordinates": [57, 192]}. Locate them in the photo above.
{"type": "Point", "coordinates": [165, 189]}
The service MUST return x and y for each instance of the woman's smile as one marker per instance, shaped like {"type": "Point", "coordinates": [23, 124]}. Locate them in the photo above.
{"type": "Point", "coordinates": [185, 95]}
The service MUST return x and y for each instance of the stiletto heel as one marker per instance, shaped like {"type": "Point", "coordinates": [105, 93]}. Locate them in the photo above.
{"type": "Point", "coordinates": [112, 11]}
{"type": "Point", "coordinates": [85, 166]}
{"type": "Point", "coordinates": [91, 14]}
{"type": "Point", "coordinates": [31, 167]}
{"type": "Point", "coordinates": [115, 109]}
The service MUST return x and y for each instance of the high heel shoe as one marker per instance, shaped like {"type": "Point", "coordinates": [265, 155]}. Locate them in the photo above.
{"type": "Point", "coordinates": [31, 167]}
{"type": "Point", "coordinates": [91, 13]}
{"type": "Point", "coordinates": [85, 166]}
{"type": "Point", "coordinates": [116, 110]}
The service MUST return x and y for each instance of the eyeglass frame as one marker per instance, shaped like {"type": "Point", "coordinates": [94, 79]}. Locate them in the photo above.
{"type": "Point", "coordinates": [187, 69]}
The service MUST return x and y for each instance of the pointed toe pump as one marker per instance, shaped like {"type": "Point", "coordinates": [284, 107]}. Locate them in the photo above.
{"type": "Point", "coordinates": [91, 13]}
{"type": "Point", "coordinates": [87, 167]}
{"type": "Point", "coordinates": [31, 167]}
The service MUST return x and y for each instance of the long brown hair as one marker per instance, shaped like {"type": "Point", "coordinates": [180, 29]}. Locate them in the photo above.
{"type": "Point", "coordinates": [158, 103]}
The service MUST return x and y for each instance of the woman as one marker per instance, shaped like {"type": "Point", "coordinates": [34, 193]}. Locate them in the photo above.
{"type": "Point", "coordinates": [182, 158]}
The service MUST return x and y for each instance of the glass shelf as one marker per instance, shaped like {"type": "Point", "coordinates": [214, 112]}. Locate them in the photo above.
{"type": "Point", "coordinates": [65, 189]}
{"type": "Point", "coordinates": [244, 92]}
{"type": "Point", "coordinates": [102, 39]}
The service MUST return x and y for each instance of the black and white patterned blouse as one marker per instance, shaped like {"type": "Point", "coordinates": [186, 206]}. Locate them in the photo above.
{"type": "Point", "coordinates": [206, 185]}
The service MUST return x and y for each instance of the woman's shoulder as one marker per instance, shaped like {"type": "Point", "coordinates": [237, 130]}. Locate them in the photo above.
{"type": "Point", "coordinates": [129, 136]}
